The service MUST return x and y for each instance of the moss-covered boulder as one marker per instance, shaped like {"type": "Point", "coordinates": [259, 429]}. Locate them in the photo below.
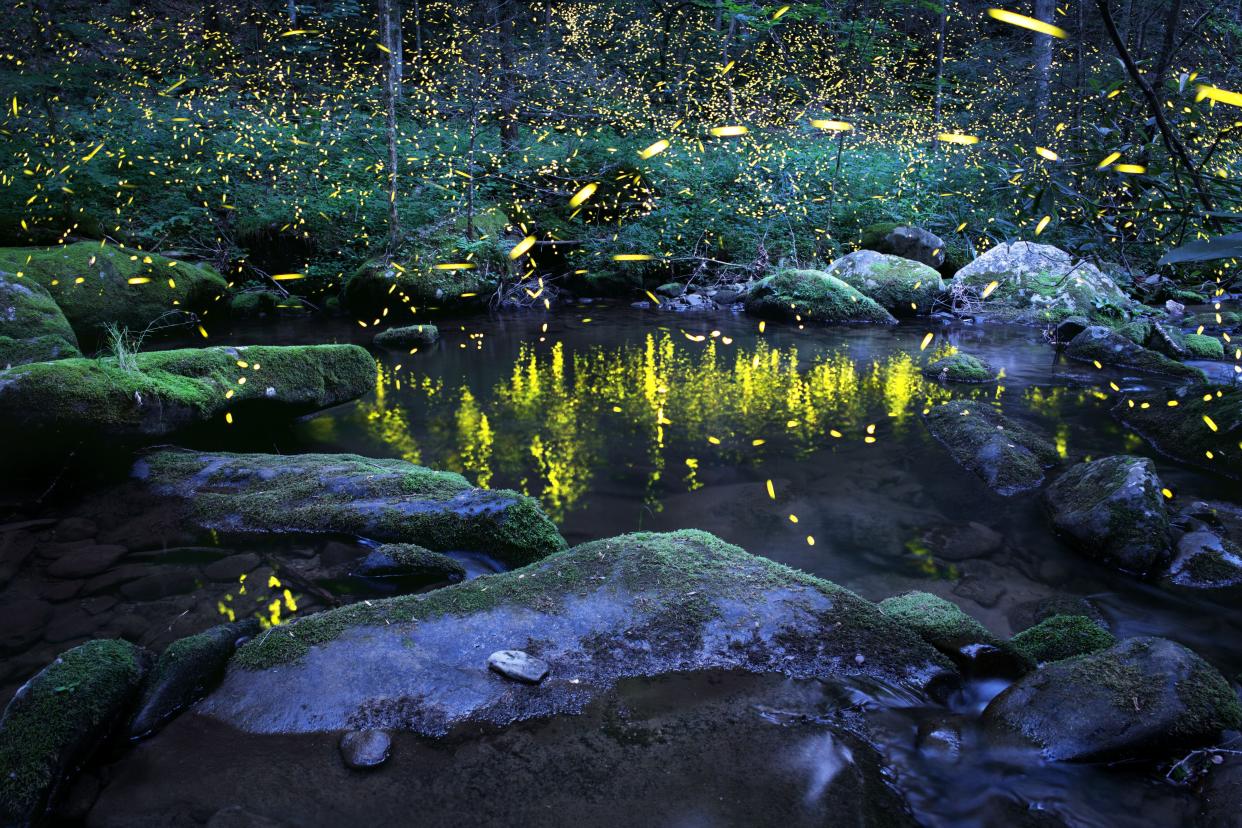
{"type": "Point", "coordinates": [32, 326]}
{"type": "Point", "coordinates": [906, 241]}
{"type": "Point", "coordinates": [960, 367]}
{"type": "Point", "coordinates": [946, 627]}
{"type": "Point", "coordinates": [402, 564]}
{"type": "Point", "coordinates": [1144, 697]}
{"type": "Point", "coordinates": [1201, 346]}
{"type": "Point", "coordinates": [410, 336]}
{"type": "Point", "coordinates": [1009, 457]}
{"type": "Point", "coordinates": [57, 718]}
{"type": "Point", "coordinates": [186, 670]}
{"type": "Point", "coordinates": [1206, 559]}
{"type": "Point", "coordinates": [1113, 510]}
{"type": "Point", "coordinates": [380, 286]}
{"type": "Point", "coordinates": [1102, 345]}
{"type": "Point", "coordinates": [1203, 428]}
{"type": "Point", "coordinates": [385, 500]}
{"type": "Point", "coordinates": [1038, 283]}
{"type": "Point", "coordinates": [637, 605]}
{"type": "Point", "coordinates": [95, 286]}
{"type": "Point", "coordinates": [256, 304]}
{"type": "Point", "coordinates": [813, 296]}
{"type": "Point", "coordinates": [1061, 637]}
{"type": "Point", "coordinates": [166, 391]}
{"type": "Point", "coordinates": [901, 286]}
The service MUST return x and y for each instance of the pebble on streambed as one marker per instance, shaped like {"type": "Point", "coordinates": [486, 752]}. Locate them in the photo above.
{"type": "Point", "coordinates": [518, 666]}
{"type": "Point", "coordinates": [364, 749]}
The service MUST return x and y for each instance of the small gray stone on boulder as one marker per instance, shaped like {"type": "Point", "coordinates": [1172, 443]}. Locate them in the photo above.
{"type": "Point", "coordinates": [365, 749]}
{"type": "Point", "coordinates": [518, 665]}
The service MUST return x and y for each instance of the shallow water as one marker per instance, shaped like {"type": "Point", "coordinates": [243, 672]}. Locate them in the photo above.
{"type": "Point", "coordinates": [622, 420]}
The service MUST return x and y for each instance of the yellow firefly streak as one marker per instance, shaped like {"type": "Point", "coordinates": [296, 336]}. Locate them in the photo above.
{"type": "Point", "coordinates": [957, 138]}
{"type": "Point", "coordinates": [632, 257]}
{"type": "Point", "coordinates": [653, 150]}
{"type": "Point", "coordinates": [521, 247]}
{"type": "Point", "coordinates": [1213, 93]}
{"type": "Point", "coordinates": [1024, 22]}
{"type": "Point", "coordinates": [987, 291]}
{"type": "Point", "coordinates": [582, 195]}
{"type": "Point", "coordinates": [834, 126]}
{"type": "Point", "coordinates": [729, 131]}
{"type": "Point", "coordinates": [1043, 223]}
{"type": "Point", "coordinates": [927, 341]}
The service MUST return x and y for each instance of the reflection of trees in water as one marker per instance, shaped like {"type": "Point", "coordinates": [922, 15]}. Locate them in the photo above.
{"type": "Point", "coordinates": [557, 420]}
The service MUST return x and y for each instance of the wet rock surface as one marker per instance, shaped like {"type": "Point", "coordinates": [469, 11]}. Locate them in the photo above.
{"type": "Point", "coordinates": [409, 336]}
{"type": "Point", "coordinates": [813, 296]}
{"type": "Point", "coordinates": [1009, 457]}
{"type": "Point", "coordinates": [697, 748]}
{"type": "Point", "coordinates": [1182, 431]}
{"type": "Point", "coordinates": [901, 286]}
{"type": "Point", "coordinates": [1142, 697]}
{"type": "Point", "coordinates": [1113, 510]}
{"type": "Point", "coordinates": [635, 605]}
{"type": "Point", "coordinates": [1099, 344]}
{"type": "Point", "coordinates": [518, 666]}
{"type": "Point", "coordinates": [365, 749]}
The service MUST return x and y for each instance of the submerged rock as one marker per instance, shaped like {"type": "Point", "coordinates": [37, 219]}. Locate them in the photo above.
{"type": "Point", "coordinates": [1142, 697]}
{"type": "Point", "coordinates": [901, 286]}
{"type": "Point", "coordinates": [1112, 509]}
{"type": "Point", "coordinates": [32, 326]}
{"type": "Point", "coordinates": [1009, 457]}
{"type": "Point", "coordinates": [519, 666]}
{"type": "Point", "coordinates": [112, 287]}
{"type": "Point", "coordinates": [1204, 428]}
{"type": "Point", "coordinates": [385, 500]}
{"type": "Point", "coordinates": [636, 605]}
{"type": "Point", "coordinates": [408, 562]}
{"type": "Point", "coordinates": [1041, 283]}
{"type": "Point", "coordinates": [57, 718]}
{"type": "Point", "coordinates": [186, 670]}
{"type": "Point", "coordinates": [168, 391]}
{"type": "Point", "coordinates": [946, 627]}
{"type": "Point", "coordinates": [813, 296]}
{"type": "Point", "coordinates": [906, 241]}
{"type": "Point", "coordinates": [364, 749]}
{"type": "Point", "coordinates": [1060, 637]}
{"type": "Point", "coordinates": [411, 336]}
{"type": "Point", "coordinates": [1099, 344]}
{"type": "Point", "coordinates": [960, 368]}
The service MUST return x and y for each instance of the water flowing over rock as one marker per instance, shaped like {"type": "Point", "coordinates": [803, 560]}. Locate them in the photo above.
{"type": "Point", "coordinates": [635, 605]}
{"type": "Point", "coordinates": [32, 326]}
{"type": "Point", "coordinates": [901, 286]}
{"type": "Point", "coordinates": [813, 296]}
{"type": "Point", "coordinates": [1009, 457]}
{"type": "Point", "coordinates": [381, 499]}
{"type": "Point", "coordinates": [1040, 283]}
{"type": "Point", "coordinates": [1113, 510]}
{"type": "Point", "coordinates": [1142, 697]}
{"type": "Point", "coordinates": [168, 391]}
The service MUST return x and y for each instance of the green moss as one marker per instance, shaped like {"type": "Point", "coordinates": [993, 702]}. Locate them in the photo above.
{"type": "Point", "coordinates": [1211, 704]}
{"type": "Point", "coordinates": [410, 336]}
{"type": "Point", "coordinates": [174, 389]}
{"type": "Point", "coordinates": [58, 716]}
{"type": "Point", "coordinates": [32, 326]}
{"type": "Point", "coordinates": [1008, 456]}
{"type": "Point", "coordinates": [813, 296]}
{"type": "Point", "coordinates": [901, 286]}
{"type": "Point", "coordinates": [1210, 566]}
{"type": "Point", "coordinates": [1060, 637]}
{"type": "Point", "coordinates": [256, 303]}
{"type": "Point", "coordinates": [678, 575]}
{"type": "Point", "coordinates": [1099, 344]}
{"type": "Point", "coordinates": [940, 623]}
{"type": "Point", "coordinates": [1182, 432]}
{"type": "Point", "coordinates": [961, 368]}
{"type": "Point", "coordinates": [105, 293]}
{"type": "Point", "coordinates": [387, 500]}
{"type": "Point", "coordinates": [1204, 347]}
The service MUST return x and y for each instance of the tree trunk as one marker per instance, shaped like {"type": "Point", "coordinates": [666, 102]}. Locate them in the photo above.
{"type": "Point", "coordinates": [504, 23]}
{"type": "Point", "coordinates": [1042, 54]}
{"type": "Point", "coordinates": [293, 12]}
{"type": "Point", "coordinates": [938, 107]}
{"type": "Point", "coordinates": [388, 38]}
{"type": "Point", "coordinates": [398, 47]}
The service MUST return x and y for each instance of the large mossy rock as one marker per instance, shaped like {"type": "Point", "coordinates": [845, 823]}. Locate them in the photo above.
{"type": "Point", "coordinates": [1009, 457]}
{"type": "Point", "coordinates": [901, 286]}
{"type": "Point", "coordinates": [1184, 432]}
{"type": "Point", "coordinates": [906, 241]}
{"type": "Point", "coordinates": [32, 326]}
{"type": "Point", "coordinates": [57, 718]}
{"type": "Point", "coordinates": [961, 368]}
{"type": "Point", "coordinates": [813, 296]}
{"type": "Point", "coordinates": [168, 391]}
{"type": "Point", "coordinates": [378, 286]}
{"type": "Point", "coordinates": [1112, 509]}
{"type": "Point", "coordinates": [637, 605]}
{"type": "Point", "coordinates": [95, 286]}
{"type": "Point", "coordinates": [184, 673]}
{"type": "Point", "coordinates": [1143, 697]}
{"type": "Point", "coordinates": [409, 336]}
{"type": "Point", "coordinates": [1100, 344]}
{"type": "Point", "coordinates": [1040, 283]}
{"type": "Point", "coordinates": [381, 499]}
{"type": "Point", "coordinates": [1061, 636]}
